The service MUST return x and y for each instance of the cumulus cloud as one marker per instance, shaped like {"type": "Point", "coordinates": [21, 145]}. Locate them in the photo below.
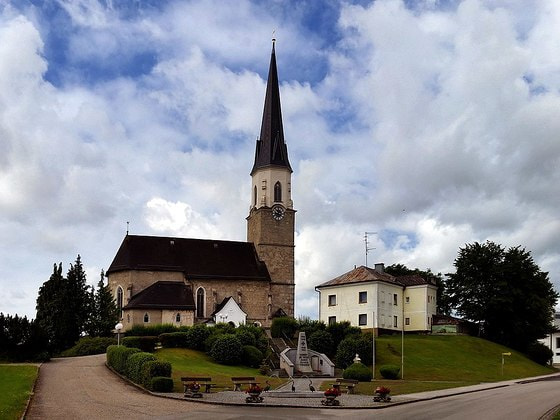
{"type": "Point", "coordinates": [433, 126]}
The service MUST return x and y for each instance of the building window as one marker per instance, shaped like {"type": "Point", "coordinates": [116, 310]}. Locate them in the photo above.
{"type": "Point", "coordinates": [255, 196]}
{"type": "Point", "coordinates": [120, 300]}
{"type": "Point", "coordinates": [277, 192]}
{"type": "Point", "coordinates": [558, 342]}
{"type": "Point", "coordinates": [395, 321]}
{"type": "Point", "coordinates": [362, 297]}
{"type": "Point", "coordinates": [407, 321]}
{"type": "Point", "coordinates": [200, 298]}
{"type": "Point", "coordinates": [332, 320]}
{"type": "Point", "coordinates": [178, 317]}
{"type": "Point", "coordinates": [128, 318]}
{"type": "Point", "coordinates": [146, 317]}
{"type": "Point", "coordinates": [332, 300]}
{"type": "Point", "coordinates": [395, 299]}
{"type": "Point", "coordinates": [407, 299]}
{"type": "Point", "coordinates": [362, 319]}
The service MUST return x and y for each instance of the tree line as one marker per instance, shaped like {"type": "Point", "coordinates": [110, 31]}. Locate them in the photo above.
{"type": "Point", "coordinates": [67, 309]}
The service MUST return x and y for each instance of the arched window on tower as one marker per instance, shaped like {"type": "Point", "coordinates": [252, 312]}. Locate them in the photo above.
{"type": "Point", "coordinates": [277, 192]}
{"type": "Point", "coordinates": [120, 294]}
{"type": "Point", "coordinates": [255, 196]}
{"type": "Point", "coordinates": [200, 298]}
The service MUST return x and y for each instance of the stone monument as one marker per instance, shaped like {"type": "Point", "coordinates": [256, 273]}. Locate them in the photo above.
{"type": "Point", "coordinates": [303, 364]}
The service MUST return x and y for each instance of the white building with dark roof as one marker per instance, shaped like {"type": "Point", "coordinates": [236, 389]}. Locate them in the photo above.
{"type": "Point", "coordinates": [371, 298]}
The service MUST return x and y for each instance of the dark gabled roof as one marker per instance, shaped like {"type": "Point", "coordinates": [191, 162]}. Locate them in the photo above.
{"type": "Point", "coordinates": [163, 295]}
{"type": "Point", "coordinates": [196, 258]}
{"type": "Point", "coordinates": [271, 149]}
{"type": "Point", "coordinates": [364, 274]}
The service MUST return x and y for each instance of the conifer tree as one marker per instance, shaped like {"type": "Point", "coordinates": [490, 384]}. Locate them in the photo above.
{"type": "Point", "coordinates": [106, 313]}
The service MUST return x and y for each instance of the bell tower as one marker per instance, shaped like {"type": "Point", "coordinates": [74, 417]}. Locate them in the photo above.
{"type": "Point", "coordinates": [271, 220]}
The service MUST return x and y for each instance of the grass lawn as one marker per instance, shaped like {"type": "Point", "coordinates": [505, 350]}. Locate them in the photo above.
{"type": "Point", "coordinates": [187, 362]}
{"type": "Point", "coordinates": [16, 382]}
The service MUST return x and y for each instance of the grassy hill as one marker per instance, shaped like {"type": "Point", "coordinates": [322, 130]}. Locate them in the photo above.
{"type": "Point", "coordinates": [430, 362]}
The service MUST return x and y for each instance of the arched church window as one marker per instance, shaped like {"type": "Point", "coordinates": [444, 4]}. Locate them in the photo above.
{"type": "Point", "coordinates": [146, 317]}
{"type": "Point", "coordinates": [277, 192]}
{"type": "Point", "coordinates": [255, 196]}
{"type": "Point", "coordinates": [120, 300]}
{"type": "Point", "coordinates": [178, 317]}
{"type": "Point", "coordinates": [200, 298]}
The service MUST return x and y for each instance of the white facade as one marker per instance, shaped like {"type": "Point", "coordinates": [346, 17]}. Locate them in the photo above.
{"type": "Point", "coordinates": [553, 341]}
{"type": "Point", "coordinates": [230, 312]}
{"type": "Point", "coordinates": [376, 303]}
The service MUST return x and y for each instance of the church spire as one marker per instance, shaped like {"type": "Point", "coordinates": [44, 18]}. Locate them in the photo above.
{"type": "Point", "coordinates": [271, 149]}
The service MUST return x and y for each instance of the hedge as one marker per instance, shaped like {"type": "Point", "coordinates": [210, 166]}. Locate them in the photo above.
{"type": "Point", "coordinates": [152, 369]}
{"type": "Point", "coordinates": [251, 356]}
{"type": "Point", "coordinates": [144, 343]}
{"type": "Point", "coordinates": [283, 327]}
{"type": "Point", "coordinates": [89, 345]}
{"type": "Point", "coordinates": [174, 340]}
{"type": "Point", "coordinates": [150, 330]}
{"type": "Point", "coordinates": [358, 371]}
{"type": "Point", "coordinates": [389, 371]}
{"type": "Point", "coordinates": [197, 336]}
{"type": "Point", "coordinates": [117, 357]}
{"type": "Point", "coordinates": [161, 384]}
{"type": "Point", "coordinates": [134, 366]}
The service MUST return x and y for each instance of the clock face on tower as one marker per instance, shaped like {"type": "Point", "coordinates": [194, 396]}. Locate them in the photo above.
{"type": "Point", "coordinates": [278, 212]}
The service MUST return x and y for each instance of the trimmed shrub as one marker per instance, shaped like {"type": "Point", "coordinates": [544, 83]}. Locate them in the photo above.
{"type": "Point", "coordinates": [227, 349]}
{"type": "Point", "coordinates": [154, 368]}
{"type": "Point", "coordinates": [161, 384]}
{"type": "Point", "coordinates": [174, 340]}
{"type": "Point", "coordinates": [352, 345]}
{"type": "Point", "coordinates": [151, 330]}
{"type": "Point", "coordinates": [322, 342]}
{"type": "Point", "coordinates": [358, 371]}
{"type": "Point", "coordinates": [117, 357]}
{"type": "Point", "coordinates": [134, 366]}
{"type": "Point", "coordinates": [539, 353]}
{"type": "Point", "coordinates": [144, 343]}
{"type": "Point", "coordinates": [197, 335]}
{"type": "Point", "coordinates": [89, 345]}
{"type": "Point", "coordinates": [251, 356]}
{"type": "Point", "coordinates": [283, 327]}
{"type": "Point", "coordinates": [246, 337]}
{"type": "Point", "coordinates": [390, 371]}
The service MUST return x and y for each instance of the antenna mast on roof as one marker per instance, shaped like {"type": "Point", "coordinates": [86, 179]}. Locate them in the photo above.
{"type": "Point", "coordinates": [127, 223]}
{"type": "Point", "coordinates": [366, 241]}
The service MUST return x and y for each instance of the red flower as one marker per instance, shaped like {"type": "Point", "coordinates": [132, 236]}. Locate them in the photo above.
{"type": "Point", "coordinates": [382, 390]}
{"type": "Point", "coordinates": [254, 389]}
{"type": "Point", "coordinates": [332, 391]}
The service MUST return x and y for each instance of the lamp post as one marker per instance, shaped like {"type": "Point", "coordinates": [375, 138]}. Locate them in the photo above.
{"type": "Point", "coordinates": [119, 327]}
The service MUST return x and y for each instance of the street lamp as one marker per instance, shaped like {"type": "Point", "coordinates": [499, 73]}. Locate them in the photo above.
{"type": "Point", "coordinates": [119, 327]}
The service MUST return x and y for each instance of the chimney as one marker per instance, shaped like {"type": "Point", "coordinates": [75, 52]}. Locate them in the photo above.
{"type": "Point", "coordinates": [380, 267]}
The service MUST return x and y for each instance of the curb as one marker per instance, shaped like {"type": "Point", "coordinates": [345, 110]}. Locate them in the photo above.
{"type": "Point", "coordinates": [32, 393]}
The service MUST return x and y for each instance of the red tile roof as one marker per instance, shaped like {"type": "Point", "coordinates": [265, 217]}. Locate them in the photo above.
{"type": "Point", "coordinates": [364, 274]}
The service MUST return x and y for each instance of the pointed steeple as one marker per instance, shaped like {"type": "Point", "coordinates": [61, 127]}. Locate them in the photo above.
{"type": "Point", "coordinates": [271, 149]}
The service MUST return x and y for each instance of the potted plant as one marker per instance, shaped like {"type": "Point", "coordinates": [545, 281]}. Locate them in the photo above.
{"type": "Point", "coordinates": [193, 390]}
{"type": "Point", "coordinates": [330, 396]}
{"type": "Point", "coordinates": [382, 394]}
{"type": "Point", "coordinates": [254, 392]}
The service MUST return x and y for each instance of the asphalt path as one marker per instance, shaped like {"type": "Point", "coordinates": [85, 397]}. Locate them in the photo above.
{"type": "Point", "coordinates": [83, 388]}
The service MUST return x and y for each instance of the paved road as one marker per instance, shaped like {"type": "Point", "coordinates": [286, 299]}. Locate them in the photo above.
{"type": "Point", "coordinates": [83, 388]}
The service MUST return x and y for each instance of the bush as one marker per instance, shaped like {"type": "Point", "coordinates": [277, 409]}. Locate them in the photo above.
{"type": "Point", "coordinates": [341, 330]}
{"type": "Point", "coordinates": [310, 326]}
{"type": "Point", "coordinates": [197, 335]}
{"type": "Point", "coordinates": [174, 340]}
{"type": "Point", "coordinates": [161, 384]}
{"type": "Point", "coordinates": [246, 337]}
{"type": "Point", "coordinates": [151, 330]}
{"type": "Point", "coordinates": [89, 345]}
{"type": "Point", "coordinates": [322, 342]}
{"type": "Point", "coordinates": [134, 366]}
{"type": "Point", "coordinates": [283, 327]}
{"type": "Point", "coordinates": [358, 371]}
{"type": "Point", "coordinates": [539, 353]}
{"type": "Point", "coordinates": [117, 357]}
{"type": "Point", "coordinates": [152, 369]}
{"type": "Point", "coordinates": [227, 349]}
{"type": "Point", "coordinates": [389, 371]}
{"type": "Point", "coordinates": [144, 343]}
{"type": "Point", "coordinates": [252, 356]}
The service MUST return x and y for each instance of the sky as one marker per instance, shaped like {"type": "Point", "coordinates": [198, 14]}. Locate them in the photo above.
{"type": "Point", "coordinates": [430, 124]}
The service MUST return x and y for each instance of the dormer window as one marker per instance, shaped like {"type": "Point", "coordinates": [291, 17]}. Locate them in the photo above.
{"type": "Point", "coordinates": [277, 192]}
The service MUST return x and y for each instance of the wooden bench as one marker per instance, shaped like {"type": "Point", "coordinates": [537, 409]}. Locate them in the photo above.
{"type": "Point", "coordinates": [238, 381]}
{"type": "Point", "coordinates": [205, 382]}
{"type": "Point", "coordinates": [348, 383]}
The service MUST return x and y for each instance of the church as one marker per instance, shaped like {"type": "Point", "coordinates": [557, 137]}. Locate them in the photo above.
{"type": "Point", "coordinates": [184, 281]}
